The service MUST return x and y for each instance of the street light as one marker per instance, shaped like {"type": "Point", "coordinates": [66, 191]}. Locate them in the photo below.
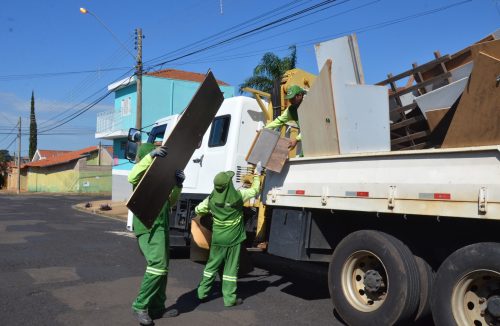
{"type": "Point", "coordinates": [138, 67]}
{"type": "Point", "coordinates": [86, 11]}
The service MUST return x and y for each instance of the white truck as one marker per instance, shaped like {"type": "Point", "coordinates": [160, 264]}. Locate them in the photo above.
{"type": "Point", "coordinates": [406, 233]}
{"type": "Point", "coordinates": [384, 221]}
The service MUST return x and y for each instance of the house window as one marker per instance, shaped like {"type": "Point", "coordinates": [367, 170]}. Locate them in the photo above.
{"type": "Point", "coordinates": [125, 106]}
{"type": "Point", "coordinates": [219, 131]}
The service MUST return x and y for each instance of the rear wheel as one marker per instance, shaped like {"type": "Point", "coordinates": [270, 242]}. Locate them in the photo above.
{"type": "Point", "coordinates": [467, 288]}
{"type": "Point", "coordinates": [373, 280]}
{"type": "Point", "coordinates": [427, 276]}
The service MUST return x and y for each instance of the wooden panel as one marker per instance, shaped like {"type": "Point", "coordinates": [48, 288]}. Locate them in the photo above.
{"type": "Point", "coordinates": [279, 155]}
{"type": "Point", "coordinates": [318, 123]}
{"type": "Point", "coordinates": [155, 186]}
{"type": "Point", "coordinates": [263, 146]}
{"type": "Point", "coordinates": [269, 149]}
{"type": "Point", "coordinates": [477, 120]}
{"type": "Point", "coordinates": [435, 116]}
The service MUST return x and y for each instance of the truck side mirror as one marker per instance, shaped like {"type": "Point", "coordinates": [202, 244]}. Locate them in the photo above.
{"type": "Point", "coordinates": [134, 135]}
{"type": "Point", "coordinates": [134, 139]}
{"type": "Point", "coordinates": [131, 151]}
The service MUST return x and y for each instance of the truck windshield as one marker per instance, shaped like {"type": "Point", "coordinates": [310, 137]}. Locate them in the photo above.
{"type": "Point", "coordinates": [156, 134]}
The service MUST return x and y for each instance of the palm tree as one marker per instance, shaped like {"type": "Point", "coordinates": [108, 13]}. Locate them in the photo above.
{"type": "Point", "coordinates": [270, 68]}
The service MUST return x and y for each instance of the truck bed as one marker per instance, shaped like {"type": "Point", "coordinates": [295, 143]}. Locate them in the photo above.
{"type": "Point", "coordinates": [459, 182]}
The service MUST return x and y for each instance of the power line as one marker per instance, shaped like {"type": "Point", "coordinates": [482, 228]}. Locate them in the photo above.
{"type": "Point", "coordinates": [358, 30]}
{"type": "Point", "coordinates": [56, 74]}
{"type": "Point", "coordinates": [250, 32]}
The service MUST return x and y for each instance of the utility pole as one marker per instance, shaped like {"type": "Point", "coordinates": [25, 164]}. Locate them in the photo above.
{"type": "Point", "coordinates": [138, 74]}
{"type": "Point", "coordinates": [99, 154]}
{"type": "Point", "coordinates": [19, 158]}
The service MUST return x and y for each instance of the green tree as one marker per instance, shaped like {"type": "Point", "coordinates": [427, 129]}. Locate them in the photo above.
{"type": "Point", "coordinates": [5, 158]}
{"type": "Point", "coordinates": [33, 131]}
{"type": "Point", "coordinates": [270, 68]}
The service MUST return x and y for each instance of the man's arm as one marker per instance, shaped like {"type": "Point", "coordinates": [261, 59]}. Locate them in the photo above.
{"type": "Point", "coordinates": [202, 208]}
{"type": "Point", "coordinates": [253, 191]}
{"type": "Point", "coordinates": [279, 121]}
{"type": "Point", "coordinates": [139, 169]}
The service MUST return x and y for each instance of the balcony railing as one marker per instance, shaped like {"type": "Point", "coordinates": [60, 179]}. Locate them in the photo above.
{"type": "Point", "coordinates": [111, 124]}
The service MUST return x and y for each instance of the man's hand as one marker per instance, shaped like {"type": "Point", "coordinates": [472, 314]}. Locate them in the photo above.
{"type": "Point", "coordinates": [258, 169]}
{"type": "Point", "coordinates": [179, 178]}
{"type": "Point", "coordinates": [159, 152]}
{"type": "Point", "coordinates": [292, 144]}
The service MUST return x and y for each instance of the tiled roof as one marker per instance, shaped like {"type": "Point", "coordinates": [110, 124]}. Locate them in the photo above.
{"type": "Point", "coordinates": [182, 75]}
{"type": "Point", "coordinates": [46, 153]}
{"type": "Point", "coordinates": [63, 158]}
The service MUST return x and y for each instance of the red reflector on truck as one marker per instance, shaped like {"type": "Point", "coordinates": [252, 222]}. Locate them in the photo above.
{"type": "Point", "coordinates": [300, 192]}
{"type": "Point", "coordinates": [442, 196]}
{"type": "Point", "coordinates": [362, 193]}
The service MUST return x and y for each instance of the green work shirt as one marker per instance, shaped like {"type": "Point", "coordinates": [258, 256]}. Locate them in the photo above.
{"type": "Point", "coordinates": [161, 220]}
{"type": "Point", "coordinates": [229, 232]}
{"type": "Point", "coordinates": [283, 119]}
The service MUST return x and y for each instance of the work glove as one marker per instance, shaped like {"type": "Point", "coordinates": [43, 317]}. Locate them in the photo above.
{"type": "Point", "coordinates": [179, 178]}
{"type": "Point", "coordinates": [258, 169]}
{"type": "Point", "coordinates": [159, 152]}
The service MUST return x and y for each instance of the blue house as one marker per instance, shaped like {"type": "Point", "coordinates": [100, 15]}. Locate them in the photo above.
{"type": "Point", "coordinates": [165, 92]}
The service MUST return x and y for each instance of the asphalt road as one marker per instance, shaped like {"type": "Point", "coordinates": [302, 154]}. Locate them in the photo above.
{"type": "Point", "coordinates": [60, 266]}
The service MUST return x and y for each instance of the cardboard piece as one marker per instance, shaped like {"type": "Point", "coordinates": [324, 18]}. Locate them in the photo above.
{"type": "Point", "coordinates": [153, 190]}
{"type": "Point", "coordinates": [476, 121]}
{"type": "Point", "coordinates": [317, 117]}
{"type": "Point", "coordinates": [270, 149]}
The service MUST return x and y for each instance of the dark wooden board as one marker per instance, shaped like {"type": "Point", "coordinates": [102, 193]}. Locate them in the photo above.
{"type": "Point", "coordinates": [279, 156]}
{"type": "Point", "coordinates": [153, 190]}
{"type": "Point", "coordinates": [477, 119]}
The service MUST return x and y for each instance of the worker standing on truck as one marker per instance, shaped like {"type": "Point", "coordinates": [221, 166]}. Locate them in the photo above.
{"type": "Point", "coordinates": [295, 94]}
{"type": "Point", "coordinates": [154, 244]}
{"type": "Point", "coordinates": [228, 232]}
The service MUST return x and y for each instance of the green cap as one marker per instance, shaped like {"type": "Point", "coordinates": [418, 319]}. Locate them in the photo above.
{"type": "Point", "coordinates": [222, 179]}
{"type": "Point", "coordinates": [294, 90]}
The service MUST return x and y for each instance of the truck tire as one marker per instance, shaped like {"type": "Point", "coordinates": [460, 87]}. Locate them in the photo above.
{"type": "Point", "coordinates": [467, 287]}
{"type": "Point", "coordinates": [427, 277]}
{"type": "Point", "coordinates": [373, 279]}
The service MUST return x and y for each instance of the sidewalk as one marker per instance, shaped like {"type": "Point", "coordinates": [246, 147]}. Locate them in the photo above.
{"type": "Point", "coordinates": [108, 208]}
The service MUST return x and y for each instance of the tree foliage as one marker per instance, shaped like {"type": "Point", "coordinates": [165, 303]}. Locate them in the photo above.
{"type": "Point", "coordinates": [270, 68]}
{"type": "Point", "coordinates": [33, 129]}
{"type": "Point", "coordinates": [5, 158]}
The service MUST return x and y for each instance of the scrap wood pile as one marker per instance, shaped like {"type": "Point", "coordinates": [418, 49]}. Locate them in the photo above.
{"type": "Point", "coordinates": [451, 101]}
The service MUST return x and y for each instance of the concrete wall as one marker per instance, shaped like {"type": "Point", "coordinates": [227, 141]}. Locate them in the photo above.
{"type": "Point", "coordinates": [78, 176]}
{"type": "Point", "coordinates": [57, 178]}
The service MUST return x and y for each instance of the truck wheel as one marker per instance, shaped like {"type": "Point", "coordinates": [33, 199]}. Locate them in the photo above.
{"type": "Point", "coordinates": [374, 280]}
{"type": "Point", "coordinates": [467, 287]}
{"type": "Point", "coordinates": [427, 277]}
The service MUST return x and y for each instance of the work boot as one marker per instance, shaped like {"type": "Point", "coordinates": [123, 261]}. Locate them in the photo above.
{"type": "Point", "coordinates": [143, 317]}
{"type": "Point", "coordinates": [164, 313]}
{"type": "Point", "coordinates": [238, 302]}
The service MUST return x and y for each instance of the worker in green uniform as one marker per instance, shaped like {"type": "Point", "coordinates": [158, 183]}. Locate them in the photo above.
{"type": "Point", "coordinates": [228, 232]}
{"type": "Point", "coordinates": [154, 244]}
{"type": "Point", "coordinates": [295, 94]}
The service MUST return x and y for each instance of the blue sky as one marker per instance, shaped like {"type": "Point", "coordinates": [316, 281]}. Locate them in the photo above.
{"type": "Point", "coordinates": [68, 58]}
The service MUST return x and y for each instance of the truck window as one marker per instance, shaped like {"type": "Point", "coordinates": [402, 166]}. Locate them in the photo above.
{"type": "Point", "coordinates": [219, 131]}
{"type": "Point", "coordinates": [156, 134]}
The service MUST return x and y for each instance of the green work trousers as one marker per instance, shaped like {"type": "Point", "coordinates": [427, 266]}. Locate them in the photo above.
{"type": "Point", "coordinates": [229, 257]}
{"type": "Point", "coordinates": [154, 246]}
